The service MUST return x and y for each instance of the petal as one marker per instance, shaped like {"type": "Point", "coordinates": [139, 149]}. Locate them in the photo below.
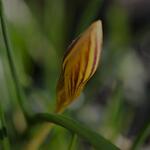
{"type": "Point", "coordinates": [79, 64]}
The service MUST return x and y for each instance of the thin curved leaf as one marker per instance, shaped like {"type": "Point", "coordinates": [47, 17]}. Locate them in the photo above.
{"type": "Point", "coordinates": [99, 142]}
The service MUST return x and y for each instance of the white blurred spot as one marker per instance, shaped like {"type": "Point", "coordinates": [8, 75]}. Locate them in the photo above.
{"type": "Point", "coordinates": [17, 12]}
{"type": "Point", "coordinates": [134, 77]}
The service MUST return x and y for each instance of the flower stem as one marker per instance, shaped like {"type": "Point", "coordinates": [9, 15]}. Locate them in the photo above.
{"type": "Point", "coordinates": [19, 92]}
{"type": "Point", "coordinates": [73, 142]}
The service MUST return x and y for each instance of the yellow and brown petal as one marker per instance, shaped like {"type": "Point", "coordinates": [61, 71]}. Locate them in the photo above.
{"type": "Point", "coordinates": [79, 64]}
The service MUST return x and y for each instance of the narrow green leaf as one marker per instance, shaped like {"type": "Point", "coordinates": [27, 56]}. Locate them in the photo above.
{"type": "Point", "coordinates": [10, 58]}
{"type": "Point", "coordinates": [73, 142]}
{"type": "Point", "coordinates": [81, 130]}
{"type": "Point", "coordinates": [141, 137]}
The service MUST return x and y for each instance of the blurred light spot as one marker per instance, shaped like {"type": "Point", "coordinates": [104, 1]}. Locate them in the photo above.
{"type": "Point", "coordinates": [19, 121]}
{"type": "Point", "coordinates": [17, 12]}
{"type": "Point", "coordinates": [134, 77]}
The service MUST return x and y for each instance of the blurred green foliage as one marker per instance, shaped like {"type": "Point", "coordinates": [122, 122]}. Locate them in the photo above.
{"type": "Point", "coordinates": [40, 32]}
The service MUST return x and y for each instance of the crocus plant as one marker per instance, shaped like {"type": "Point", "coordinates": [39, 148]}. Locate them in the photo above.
{"type": "Point", "coordinates": [79, 65]}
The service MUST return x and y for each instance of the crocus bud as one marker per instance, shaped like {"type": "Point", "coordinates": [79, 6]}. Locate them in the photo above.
{"type": "Point", "coordinates": [79, 64]}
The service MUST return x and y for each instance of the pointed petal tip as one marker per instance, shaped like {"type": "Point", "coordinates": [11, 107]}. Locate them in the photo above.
{"type": "Point", "coordinates": [97, 24]}
{"type": "Point", "coordinates": [96, 27]}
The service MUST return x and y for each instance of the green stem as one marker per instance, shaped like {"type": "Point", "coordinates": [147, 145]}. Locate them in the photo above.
{"type": "Point", "coordinates": [3, 131]}
{"type": "Point", "coordinates": [18, 88]}
{"type": "Point", "coordinates": [92, 137]}
{"type": "Point", "coordinates": [141, 137]}
{"type": "Point", "coordinates": [73, 142]}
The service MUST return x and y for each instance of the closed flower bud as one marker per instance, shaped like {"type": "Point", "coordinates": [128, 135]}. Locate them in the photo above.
{"type": "Point", "coordinates": [79, 65]}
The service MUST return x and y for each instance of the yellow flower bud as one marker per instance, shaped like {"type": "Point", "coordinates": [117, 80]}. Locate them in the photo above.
{"type": "Point", "coordinates": [79, 64]}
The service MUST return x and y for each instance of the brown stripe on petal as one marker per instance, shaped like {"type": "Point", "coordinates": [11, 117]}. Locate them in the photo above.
{"type": "Point", "coordinates": [95, 58]}
{"type": "Point", "coordinates": [69, 84]}
{"type": "Point", "coordinates": [72, 82]}
{"type": "Point", "coordinates": [70, 48]}
{"type": "Point", "coordinates": [78, 69]}
{"type": "Point", "coordinates": [86, 60]}
{"type": "Point", "coordinates": [75, 76]}
{"type": "Point", "coordinates": [67, 87]}
{"type": "Point", "coordinates": [98, 52]}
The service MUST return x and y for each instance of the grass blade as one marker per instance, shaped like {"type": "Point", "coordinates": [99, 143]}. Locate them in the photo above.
{"type": "Point", "coordinates": [92, 137]}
